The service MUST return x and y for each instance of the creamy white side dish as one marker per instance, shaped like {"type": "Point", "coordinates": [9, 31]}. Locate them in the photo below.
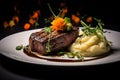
{"type": "Point", "coordinates": [90, 45]}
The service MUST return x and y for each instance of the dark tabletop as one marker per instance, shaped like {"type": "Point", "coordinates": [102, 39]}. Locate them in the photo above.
{"type": "Point", "coordinates": [15, 70]}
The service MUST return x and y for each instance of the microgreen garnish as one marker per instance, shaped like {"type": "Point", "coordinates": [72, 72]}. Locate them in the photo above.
{"type": "Point", "coordinates": [19, 47]}
{"type": "Point", "coordinates": [98, 30]}
{"type": "Point", "coordinates": [80, 57]}
{"type": "Point", "coordinates": [51, 10]}
{"type": "Point", "coordinates": [61, 53]}
{"type": "Point", "coordinates": [48, 47]}
{"type": "Point", "coordinates": [48, 30]}
{"type": "Point", "coordinates": [70, 54]}
{"type": "Point", "coordinates": [67, 20]}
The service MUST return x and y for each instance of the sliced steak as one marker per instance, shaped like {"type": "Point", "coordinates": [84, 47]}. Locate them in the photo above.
{"type": "Point", "coordinates": [56, 40]}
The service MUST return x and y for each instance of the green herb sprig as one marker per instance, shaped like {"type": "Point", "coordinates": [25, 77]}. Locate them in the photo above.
{"type": "Point", "coordinates": [49, 31]}
{"type": "Point", "coordinates": [98, 29]}
{"type": "Point", "coordinates": [19, 47]}
{"type": "Point", "coordinates": [51, 10]}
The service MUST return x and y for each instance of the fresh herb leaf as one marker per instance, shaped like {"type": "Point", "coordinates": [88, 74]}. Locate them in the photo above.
{"type": "Point", "coordinates": [19, 47]}
{"type": "Point", "coordinates": [70, 54]}
{"type": "Point", "coordinates": [80, 57]}
{"type": "Point", "coordinates": [84, 24]}
{"type": "Point", "coordinates": [67, 20]}
{"type": "Point", "coordinates": [98, 30]}
{"type": "Point", "coordinates": [48, 29]}
{"type": "Point", "coordinates": [61, 53]}
{"type": "Point", "coordinates": [48, 47]}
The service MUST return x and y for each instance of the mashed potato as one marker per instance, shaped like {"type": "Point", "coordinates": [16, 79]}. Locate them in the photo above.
{"type": "Point", "coordinates": [91, 45]}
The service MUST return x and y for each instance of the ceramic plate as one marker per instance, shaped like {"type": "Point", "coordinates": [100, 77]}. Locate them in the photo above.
{"type": "Point", "coordinates": [9, 43]}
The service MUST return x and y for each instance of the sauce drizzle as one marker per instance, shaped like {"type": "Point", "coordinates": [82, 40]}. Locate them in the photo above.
{"type": "Point", "coordinates": [37, 55]}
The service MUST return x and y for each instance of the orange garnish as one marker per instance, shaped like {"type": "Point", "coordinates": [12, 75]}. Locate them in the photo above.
{"type": "Point", "coordinates": [58, 24]}
{"type": "Point", "coordinates": [26, 26]}
{"type": "Point", "coordinates": [75, 19]}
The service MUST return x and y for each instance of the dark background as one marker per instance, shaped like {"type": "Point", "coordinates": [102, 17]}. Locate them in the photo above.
{"type": "Point", "coordinates": [107, 11]}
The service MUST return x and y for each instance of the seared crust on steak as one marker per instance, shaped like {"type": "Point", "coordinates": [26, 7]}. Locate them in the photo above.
{"type": "Point", "coordinates": [57, 40]}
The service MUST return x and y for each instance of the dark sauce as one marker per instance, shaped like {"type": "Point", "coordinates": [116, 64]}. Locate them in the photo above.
{"type": "Point", "coordinates": [34, 54]}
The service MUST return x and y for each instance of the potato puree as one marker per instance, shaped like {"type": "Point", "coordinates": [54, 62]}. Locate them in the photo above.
{"type": "Point", "coordinates": [91, 45]}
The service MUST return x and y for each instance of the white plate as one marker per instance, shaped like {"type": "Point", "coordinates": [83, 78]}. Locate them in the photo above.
{"type": "Point", "coordinates": [8, 49]}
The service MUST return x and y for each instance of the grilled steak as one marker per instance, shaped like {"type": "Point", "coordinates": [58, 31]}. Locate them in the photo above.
{"type": "Point", "coordinates": [39, 41]}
